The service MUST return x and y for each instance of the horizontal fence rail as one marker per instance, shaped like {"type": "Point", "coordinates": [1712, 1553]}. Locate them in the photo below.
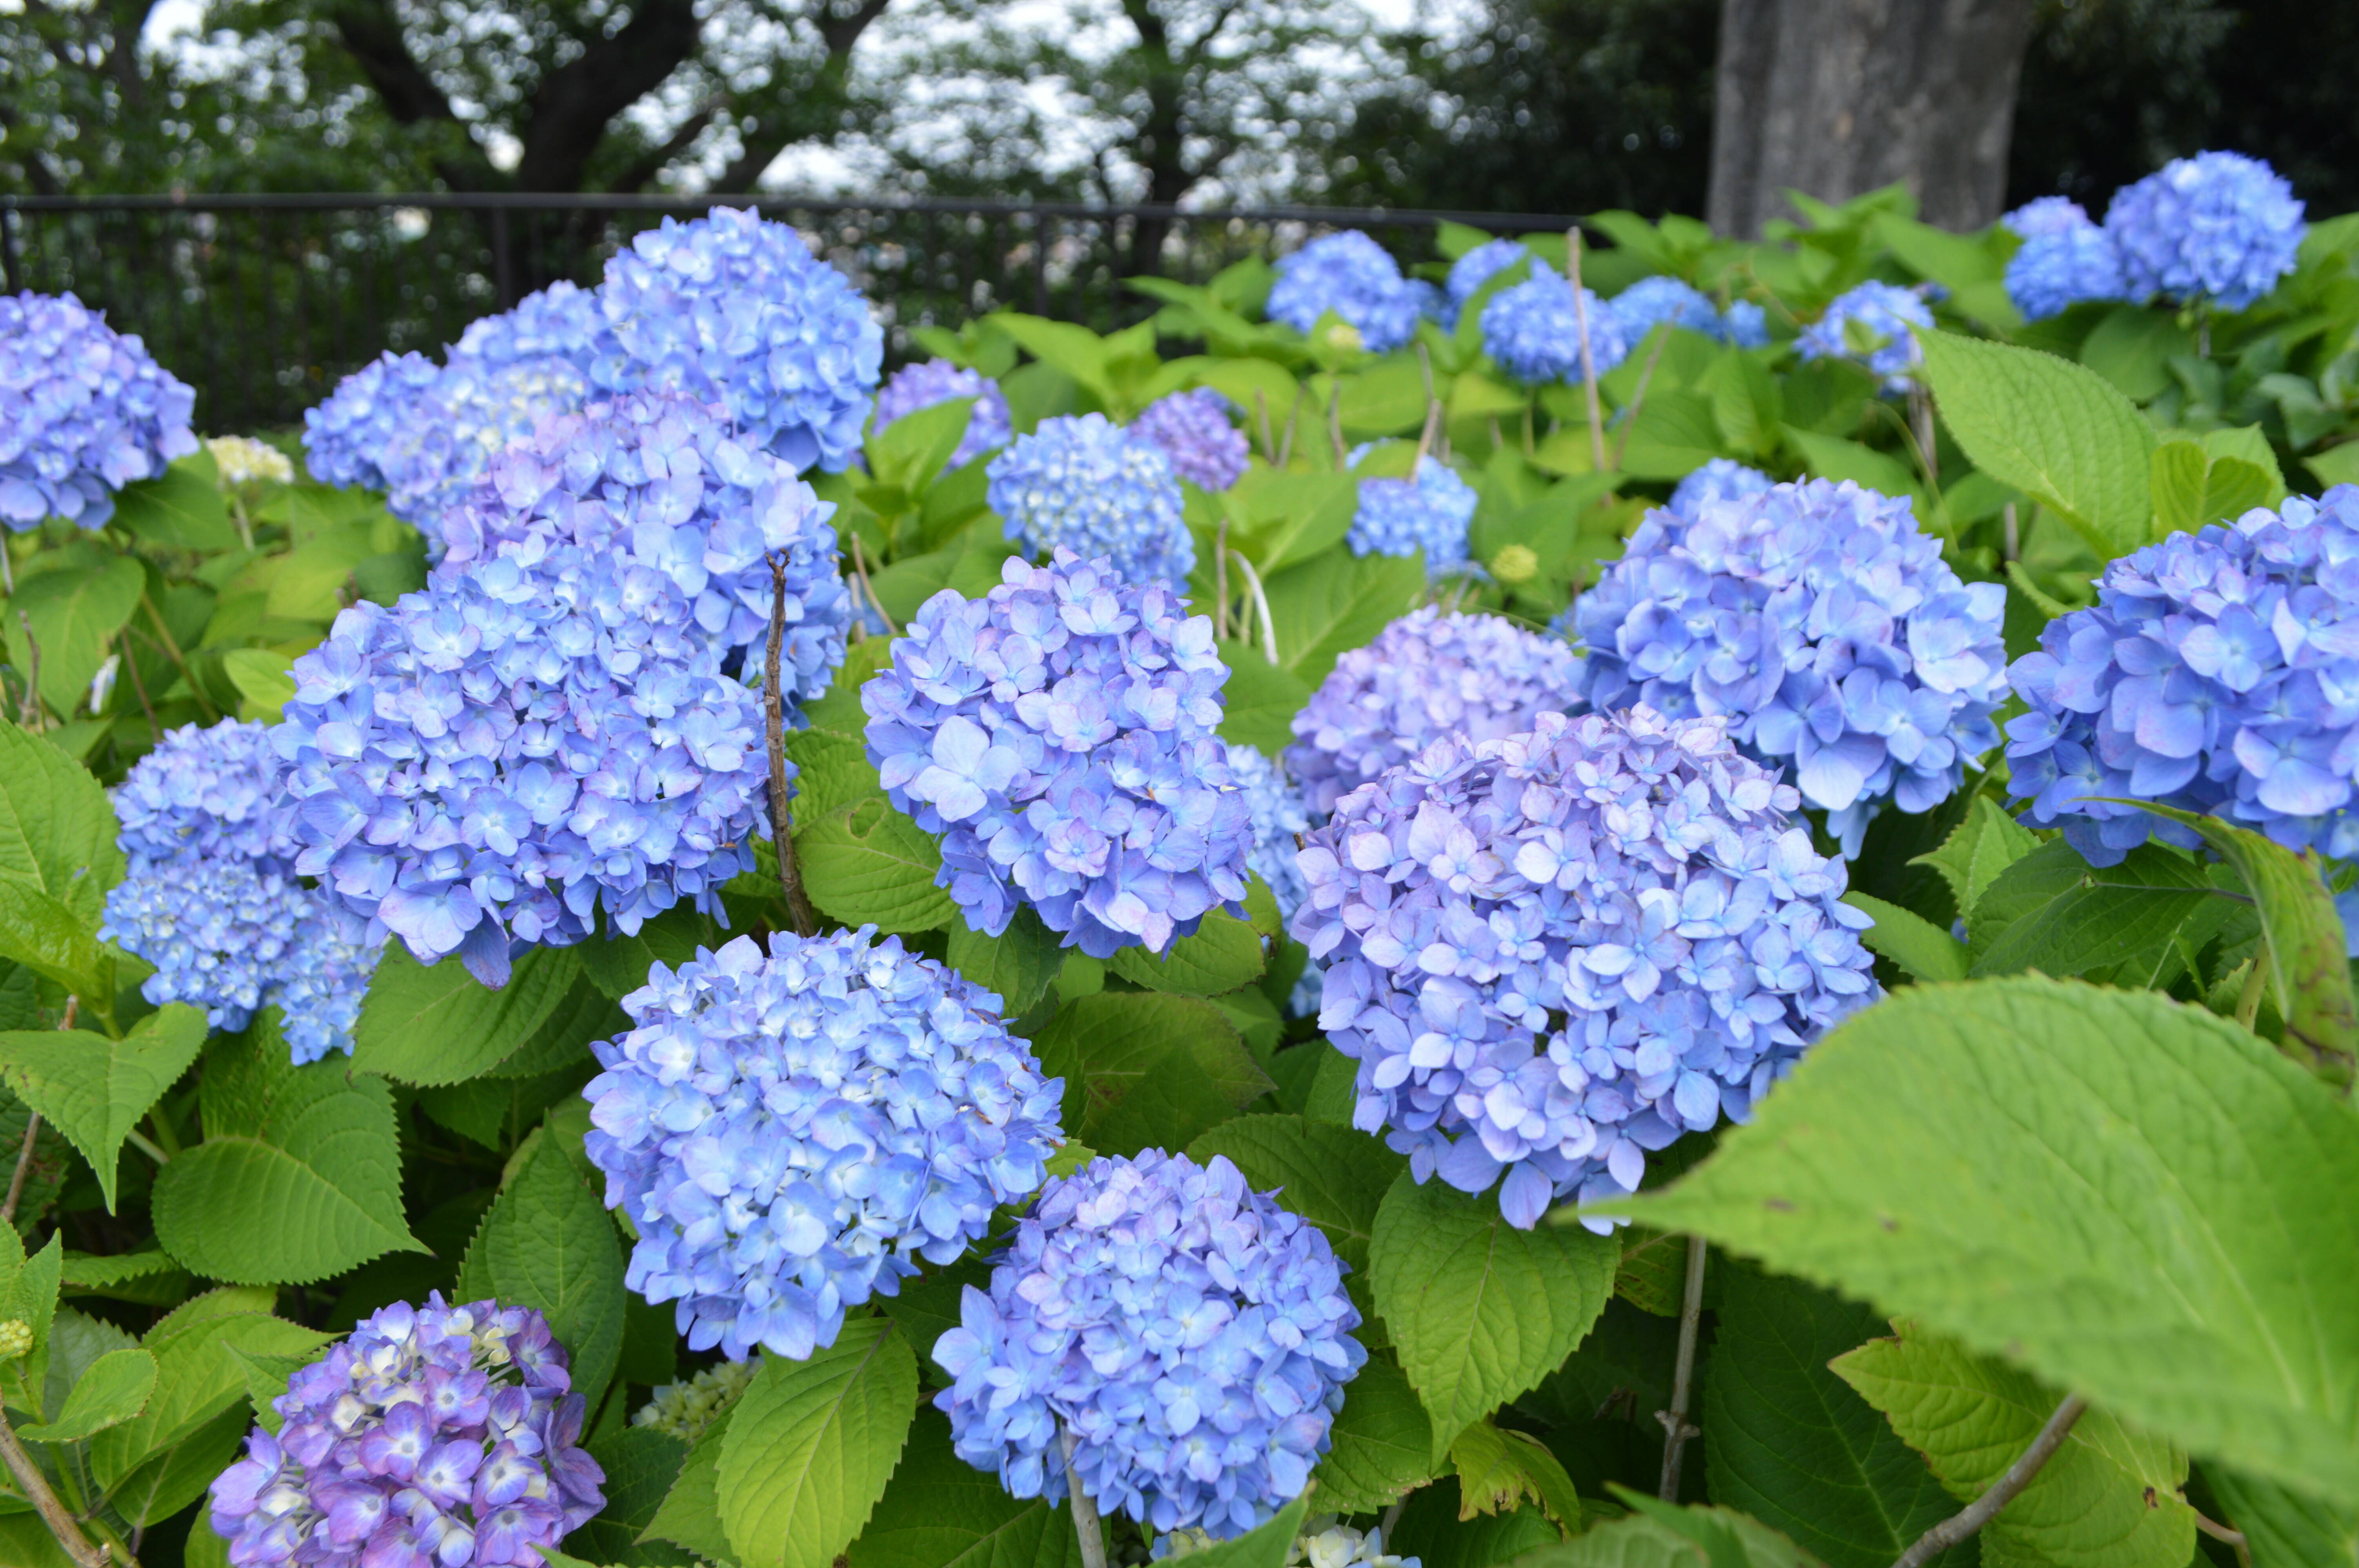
{"type": "Point", "coordinates": [263, 302]}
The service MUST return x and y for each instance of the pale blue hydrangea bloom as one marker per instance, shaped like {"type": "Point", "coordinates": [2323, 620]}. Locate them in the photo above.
{"type": "Point", "coordinates": [1552, 953]}
{"type": "Point", "coordinates": [85, 410]}
{"type": "Point", "coordinates": [1195, 430]}
{"type": "Point", "coordinates": [2047, 215]}
{"type": "Point", "coordinates": [1875, 326]}
{"type": "Point", "coordinates": [1821, 623]}
{"type": "Point", "coordinates": [2064, 259]}
{"type": "Point", "coordinates": [989, 425]}
{"type": "Point", "coordinates": [1720, 478]}
{"type": "Point", "coordinates": [1478, 266]}
{"type": "Point", "coordinates": [562, 321]}
{"type": "Point", "coordinates": [1426, 517]}
{"type": "Point", "coordinates": [1060, 733]}
{"type": "Point", "coordinates": [346, 437]}
{"type": "Point", "coordinates": [1651, 301]}
{"type": "Point", "coordinates": [2218, 227]}
{"type": "Point", "coordinates": [476, 409]}
{"type": "Point", "coordinates": [1279, 819]}
{"type": "Point", "coordinates": [1083, 483]}
{"type": "Point", "coordinates": [1193, 1336]}
{"type": "Point", "coordinates": [1532, 331]}
{"type": "Point", "coordinates": [1744, 325]}
{"type": "Point", "coordinates": [1426, 675]}
{"type": "Point", "coordinates": [791, 1131]}
{"type": "Point", "coordinates": [1356, 279]}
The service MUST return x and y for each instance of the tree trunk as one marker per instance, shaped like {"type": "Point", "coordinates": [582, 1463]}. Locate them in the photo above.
{"type": "Point", "coordinates": [1833, 98]}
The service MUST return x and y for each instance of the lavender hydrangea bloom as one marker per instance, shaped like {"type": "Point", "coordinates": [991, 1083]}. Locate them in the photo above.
{"type": "Point", "coordinates": [85, 410]}
{"type": "Point", "coordinates": [1478, 266]}
{"type": "Point", "coordinates": [1429, 515]}
{"type": "Point", "coordinates": [475, 410]}
{"type": "Point", "coordinates": [1552, 953]}
{"type": "Point", "coordinates": [1720, 478]}
{"type": "Point", "coordinates": [1426, 675]}
{"type": "Point", "coordinates": [1278, 821]}
{"type": "Point", "coordinates": [1194, 431]}
{"type": "Point", "coordinates": [345, 437]}
{"type": "Point", "coordinates": [1873, 326]}
{"type": "Point", "coordinates": [1744, 325]}
{"type": "Point", "coordinates": [922, 386]}
{"type": "Point", "coordinates": [1193, 1336]}
{"type": "Point", "coordinates": [1647, 303]}
{"type": "Point", "coordinates": [790, 1132]}
{"type": "Point", "coordinates": [433, 1437]}
{"type": "Point", "coordinates": [2064, 259]}
{"type": "Point", "coordinates": [1532, 331]}
{"type": "Point", "coordinates": [1824, 626]}
{"type": "Point", "coordinates": [2047, 215]}
{"type": "Point", "coordinates": [1059, 733]}
{"type": "Point", "coordinates": [1356, 279]}
{"type": "Point", "coordinates": [1085, 485]}
{"type": "Point", "coordinates": [734, 310]}
{"type": "Point", "coordinates": [2218, 227]}
{"type": "Point", "coordinates": [2211, 675]}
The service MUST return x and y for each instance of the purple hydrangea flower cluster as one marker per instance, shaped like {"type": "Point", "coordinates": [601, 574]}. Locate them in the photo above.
{"type": "Point", "coordinates": [1083, 483]}
{"type": "Point", "coordinates": [1356, 279]}
{"type": "Point", "coordinates": [1478, 266]}
{"type": "Point", "coordinates": [85, 410]}
{"type": "Point", "coordinates": [1824, 626]}
{"type": "Point", "coordinates": [789, 1132]}
{"type": "Point", "coordinates": [2218, 227]}
{"type": "Point", "coordinates": [1191, 1335]}
{"type": "Point", "coordinates": [549, 725]}
{"type": "Point", "coordinates": [1426, 675]}
{"type": "Point", "coordinates": [989, 426]}
{"type": "Point", "coordinates": [433, 1437]}
{"type": "Point", "coordinates": [1428, 516]}
{"type": "Point", "coordinates": [1533, 330]}
{"type": "Point", "coordinates": [346, 437]}
{"type": "Point", "coordinates": [2064, 259]}
{"type": "Point", "coordinates": [2215, 674]}
{"type": "Point", "coordinates": [734, 310]}
{"type": "Point", "coordinates": [1195, 432]}
{"type": "Point", "coordinates": [1279, 819]}
{"type": "Point", "coordinates": [1874, 325]}
{"type": "Point", "coordinates": [476, 409]}
{"type": "Point", "coordinates": [1720, 478]}
{"type": "Point", "coordinates": [1059, 733]}
{"type": "Point", "coordinates": [1552, 953]}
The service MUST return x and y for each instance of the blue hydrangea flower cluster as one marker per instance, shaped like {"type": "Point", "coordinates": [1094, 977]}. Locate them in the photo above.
{"type": "Point", "coordinates": [1356, 279]}
{"type": "Point", "coordinates": [1744, 325]}
{"type": "Point", "coordinates": [209, 896]}
{"type": "Point", "coordinates": [1532, 331]}
{"type": "Point", "coordinates": [346, 437]}
{"type": "Point", "coordinates": [1478, 266]}
{"type": "Point", "coordinates": [2047, 215]}
{"type": "Point", "coordinates": [1195, 432]}
{"type": "Point", "coordinates": [1426, 675]}
{"type": "Point", "coordinates": [2064, 259]}
{"type": "Point", "coordinates": [1191, 1336]}
{"type": "Point", "coordinates": [85, 410]}
{"type": "Point", "coordinates": [1279, 820]}
{"type": "Point", "coordinates": [433, 1437]}
{"type": "Point", "coordinates": [1060, 734]}
{"type": "Point", "coordinates": [1428, 516]}
{"type": "Point", "coordinates": [1824, 626]}
{"type": "Point", "coordinates": [1552, 953]}
{"type": "Point", "coordinates": [2218, 227]}
{"type": "Point", "coordinates": [791, 1132]}
{"type": "Point", "coordinates": [922, 386]}
{"type": "Point", "coordinates": [562, 321]}
{"type": "Point", "coordinates": [734, 310]}
{"type": "Point", "coordinates": [1083, 483]}
{"type": "Point", "coordinates": [550, 724]}
{"type": "Point", "coordinates": [2215, 674]}
{"type": "Point", "coordinates": [475, 410]}
{"type": "Point", "coordinates": [1872, 325]}
{"type": "Point", "coordinates": [1720, 478]}
{"type": "Point", "coordinates": [1650, 301]}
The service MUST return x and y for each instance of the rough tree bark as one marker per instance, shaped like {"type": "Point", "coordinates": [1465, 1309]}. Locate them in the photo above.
{"type": "Point", "coordinates": [1837, 97]}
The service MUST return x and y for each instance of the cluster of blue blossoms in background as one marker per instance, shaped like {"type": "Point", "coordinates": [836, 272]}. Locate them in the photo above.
{"type": "Point", "coordinates": [1651, 301]}
{"type": "Point", "coordinates": [922, 386]}
{"type": "Point", "coordinates": [1428, 516]}
{"type": "Point", "coordinates": [2065, 258]}
{"type": "Point", "coordinates": [1478, 266]}
{"type": "Point", "coordinates": [85, 410]}
{"type": "Point", "coordinates": [1633, 876]}
{"type": "Point", "coordinates": [1279, 819]}
{"type": "Point", "coordinates": [791, 1132]}
{"type": "Point", "coordinates": [1534, 331]}
{"type": "Point", "coordinates": [1193, 1336]}
{"type": "Point", "coordinates": [1083, 483]}
{"type": "Point", "coordinates": [1875, 326]}
{"type": "Point", "coordinates": [1194, 431]}
{"type": "Point", "coordinates": [1060, 734]}
{"type": "Point", "coordinates": [346, 436]}
{"type": "Point", "coordinates": [1824, 626]}
{"type": "Point", "coordinates": [1356, 279]}
{"type": "Point", "coordinates": [1722, 479]}
{"type": "Point", "coordinates": [433, 1437]}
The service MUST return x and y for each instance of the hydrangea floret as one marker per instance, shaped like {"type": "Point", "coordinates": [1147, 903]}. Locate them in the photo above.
{"type": "Point", "coordinates": [475, 410]}
{"type": "Point", "coordinates": [1478, 266]}
{"type": "Point", "coordinates": [1428, 674]}
{"type": "Point", "coordinates": [1060, 734]}
{"type": "Point", "coordinates": [85, 410]}
{"type": "Point", "coordinates": [1195, 431]}
{"type": "Point", "coordinates": [1428, 516]}
{"type": "Point", "coordinates": [240, 461]}
{"type": "Point", "coordinates": [346, 437]}
{"type": "Point", "coordinates": [1356, 279]}
{"type": "Point", "coordinates": [1083, 483]}
{"type": "Point", "coordinates": [1875, 326]}
{"type": "Point", "coordinates": [734, 310]}
{"type": "Point", "coordinates": [2064, 259]}
{"type": "Point", "coordinates": [1193, 1336]}
{"type": "Point", "coordinates": [989, 426]}
{"type": "Point", "coordinates": [1720, 478]}
{"type": "Point", "coordinates": [2213, 674]}
{"type": "Point", "coordinates": [791, 1131]}
{"type": "Point", "coordinates": [433, 1437]}
{"type": "Point", "coordinates": [1553, 953]}
{"type": "Point", "coordinates": [2219, 228]}
{"type": "Point", "coordinates": [1533, 330]}
{"type": "Point", "coordinates": [1821, 623]}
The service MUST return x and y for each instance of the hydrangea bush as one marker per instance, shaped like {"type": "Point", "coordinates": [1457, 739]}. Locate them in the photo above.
{"type": "Point", "coordinates": [85, 410]}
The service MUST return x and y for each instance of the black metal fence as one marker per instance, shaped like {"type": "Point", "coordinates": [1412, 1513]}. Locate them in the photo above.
{"type": "Point", "coordinates": [263, 302]}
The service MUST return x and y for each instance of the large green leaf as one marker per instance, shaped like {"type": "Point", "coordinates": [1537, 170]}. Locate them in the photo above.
{"type": "Point", "coordinates": [1291, 517]}
{"type": "Point", "coordinates": [2108, 1499]}
{"type": "Point", "coordinates": [300, 1174]}
{"type": "Point", "coordinates": [867, 863]}
{"type": "Point", "coordinates": [1261, 699]}
{"type": "Point", "coordinates": [1480, 1310]}
{"type": "Point", "coordinates": [182, 508]}
{"type": "Point", "coordinates": [74, 612]}
{"type": "Point", "coordinates": [1910, 940]}
{"type": "Point", "coordinates": [640, 1464]}
{"type": "Point", "coordinates": [1016, 966]}
{"type": "Point", "coordinates": [689, 1515]}
{"type": "Point", "coordinates": [1325, 609]}
{"type": "Point", "coordinates": [1145, 1070]}
{"type": "Point", "coordinates": [2285, 1529]}
{"type": "Point", "coordinates": [1500, 1470]}
{"type": "Point", "coordinates": [812, 1445]}
{"type": "Point", "coordinates": [47, 937]}
{"type": "Point", "coordinates": [116, 1389]}
{"type": "Point", "coordinates": [29, 1294]}
{"type": "Point", "coordinates": [1383, 1443]}
{"type": "Point", "coordinates": [1224, 954]}
{"type": "Point", "coordinates": [942, 1512]}
{"type": "Point", "coordinates": [2103, 917]}
{"type": "Point", "coordinates": [441, 1025]}
{"type": "Point", "coordinates": [57, 828]}
{"type": "Point", "coordinates": [1982, 845]}
{"type": "Point", "coordinates": [2122, 1193]}
{"type": "Point", "coordinates": [200, 1373]}
{"type": "Point", "coordinates": [1661, 1536]}
{"type": "Point", "coordinates": [548, 1244]}
{"type": "Point", "coordinates": [95, 1089]}
{"type": "Point", "coordinates": [1267, 1545]}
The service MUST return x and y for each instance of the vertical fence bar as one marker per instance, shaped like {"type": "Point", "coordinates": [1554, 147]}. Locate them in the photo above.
{"type": "Point", "coordinates": [14, 270]}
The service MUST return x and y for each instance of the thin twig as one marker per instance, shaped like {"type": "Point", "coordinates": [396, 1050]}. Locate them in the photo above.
{"type": "Point", "coordinates": [1335, 429]}
{"type": "Point", "coordinates": [1588, 361]}
{"type": "Point", "coordinates": [2012, 539]}
{"type": "Point", "coordinates": [8, 571]}
{"type": "Point", "coordinates": [1639, 396]}
{"type": "Point", "coordinates": [32, 1131]}
{"type": "Point", "coordinates": [55, 1514]}
{"type": "Point", "coordinates": [1425, 369]}
{"type": "Point", "coordinates": [139, 685]}
{"type": "Point", "coordinates": [867, 589]}
{"type": "Point", "coordinates": [30, 711]}
{"type": "Point", "coordinates": [1676, 1430]}
{"type": "Point", "coordinates": [1085, 1509]}
{"type": "Point", "coordinates": [172, 652]}
{"type": "Point", "coordinates": [790, 882]}
{"type": "Point", "coordinates": [2234, 1538]}
{"type": "Point", "coordinates": [1920, 415]}
{"type": "Point", "coordinates": [1261, 602]}
{"type": "Point", "coordinates": [1980, 1512]}
{"type": "Point", "coordinates": [1425, 436]}
{"type": "Point", "coordinates": [1293, 416]}
{"type": "Point", "coordinates": [1221, 580]}
{"type": "Point", "coordinates": [1261, 406]}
